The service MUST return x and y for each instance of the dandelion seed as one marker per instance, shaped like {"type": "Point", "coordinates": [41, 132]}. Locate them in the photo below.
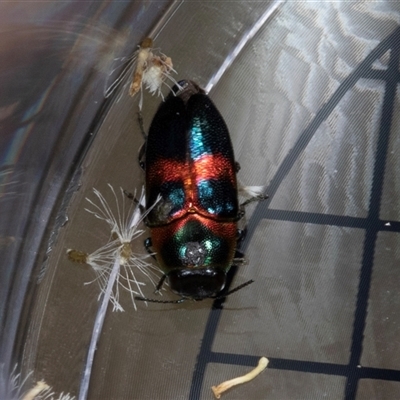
{"type": "Point", "coordinates": [42, 391]}
{"type": "Point", "coordinates": [39, 391]}
{"type": "Point", "coordinates": [78, 257]}
{"type": "Point", "coordinates": [251, 191]}
{"type": "Point", "coordinates": [151, 69]}
{"type": "Point", "coordinates": [8, 185]}
{"type": "Point", "coordinates": [11, 385]}
{"type": "Point", "coordinates": [123, 225]}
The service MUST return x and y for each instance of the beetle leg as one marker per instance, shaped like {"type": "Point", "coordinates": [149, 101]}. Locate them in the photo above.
{"type": "Point", "coordinates": [142, 150]}
{"type": "Point", "coordinates": [141, 157]}
{"type": "Point", "coordinates": [237, 167]}
{"type": "Point", "coordinates": [241, 213]}
{"type": "Point", "coordinates": [260, 197]}
{"type": "Point", "coordinates": [141, 125]}
{"type": "Point", "coordinates": [242, 206]}
{"type": "Point", "coordinates": [159, 284]}
{"type": "Point", "coordinates": [147, 244]}
{"type": "Point", "coordinates": [239, 256]}
{"type": "Point", "coordinates": [241, 234]}
{"type": "Point", "coordinates": [238, 261]}
{"type": "Point", "coordinates": [130, 196]}
{"type": "Point", "coordinates": [228, 293]}
{"type": "Point", "coordinates": [181, 300]}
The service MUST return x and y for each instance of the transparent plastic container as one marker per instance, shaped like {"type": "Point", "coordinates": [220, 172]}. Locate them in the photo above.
{"type": "Point", "coordinates": [310, 94]}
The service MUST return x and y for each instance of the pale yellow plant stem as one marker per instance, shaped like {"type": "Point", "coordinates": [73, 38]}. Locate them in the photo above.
{"type": "Point", "coordinates": [218, 390]}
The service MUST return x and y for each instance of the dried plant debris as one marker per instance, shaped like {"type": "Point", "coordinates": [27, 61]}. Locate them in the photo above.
{"type": "Point", "coordinates": [15, 388]}
{"type": "Point", "coordinates": [251, 191]}
{"type": "Point", "coordinates": [224, 386]}
{"type": "Point", "coordinates": [123, 226]}
{"type": "Point", "coordinates": [42, 391]}
{"type": "Point", "coordinates": [150, 69]}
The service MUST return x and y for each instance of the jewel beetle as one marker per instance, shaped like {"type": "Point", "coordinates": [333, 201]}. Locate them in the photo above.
{"type": "Point", "coordinates": [191, 194]}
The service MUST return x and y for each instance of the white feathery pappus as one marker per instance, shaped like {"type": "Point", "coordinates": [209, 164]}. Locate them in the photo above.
{"type": "Point", "coordinates": [117, 254]}
{"type": "Point", "coordinates": [150, 69]}
{"type": "Point", "coordinates": [17, 387]}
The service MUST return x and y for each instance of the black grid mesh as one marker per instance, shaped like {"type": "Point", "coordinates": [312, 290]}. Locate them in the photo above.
{"type": "Point", "coordinates": [372, 225]}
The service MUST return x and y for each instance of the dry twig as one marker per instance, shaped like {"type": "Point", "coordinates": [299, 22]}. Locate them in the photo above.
{"type": "Point", "coordinates": [224, 386]}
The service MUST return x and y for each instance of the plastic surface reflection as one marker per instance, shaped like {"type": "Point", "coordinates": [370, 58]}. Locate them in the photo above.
{"type": "Point", "coordinates": [311, 102]}
{"type": "Point", "coordinates": [54, 65]}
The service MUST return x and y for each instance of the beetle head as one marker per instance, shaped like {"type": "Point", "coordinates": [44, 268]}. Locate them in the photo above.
{"type": "Point", "coordinates": [198, 283]}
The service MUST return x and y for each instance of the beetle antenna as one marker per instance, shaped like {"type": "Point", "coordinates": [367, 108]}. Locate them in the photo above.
{"type": "Point", "coordinates": [159, 284]}
{"type": "Point", "coordinates": [181, 300]}
{"type": "Point", "coordinates": [222, 295]}
{"type": "Point", "coordinates": [160, 301]}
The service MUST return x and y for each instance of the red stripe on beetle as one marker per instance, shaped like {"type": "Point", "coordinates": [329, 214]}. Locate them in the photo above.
{"type": "Point", "coordinates": [191, 173]}
{"type": "Point", "coordinates": [208, 166]}
{"type": "Point", "coordinates": [214, 166]}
